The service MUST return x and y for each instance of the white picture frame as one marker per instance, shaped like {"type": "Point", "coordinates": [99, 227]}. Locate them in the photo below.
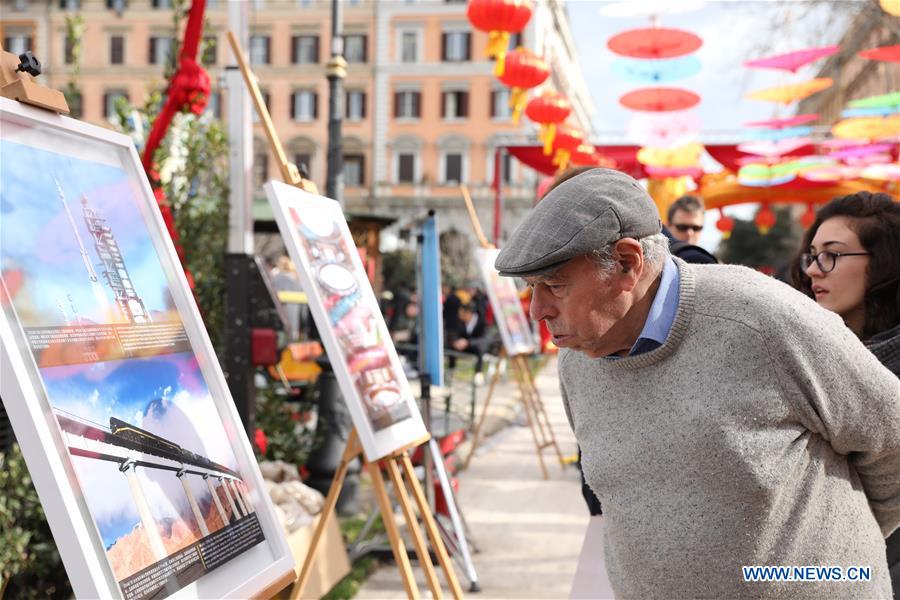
{"type": "Point", "coordinates": [371, 379]}
{"type": "Point", "coordinates": [515, 329]}
{"type": "Point", "coordinates": [112, 312]}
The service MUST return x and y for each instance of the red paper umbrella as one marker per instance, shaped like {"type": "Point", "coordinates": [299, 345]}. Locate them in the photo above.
{"type": "Point", "coordinates": [547, 110]}
{"type": "Point", "coordinates": [885, 53]}
{"type": "Point", "coordinates": [522, 71]}
{"type": "Point", "coordinates": [792, 61]}
{"type": "Point", "coordinates": [499, 18]}
{"type": "Point", "coordinates": [654, 43]}
{"type": "Point", "coordinates": [782, 123]}
{"type": "Point", "coordinates": [659, 99]}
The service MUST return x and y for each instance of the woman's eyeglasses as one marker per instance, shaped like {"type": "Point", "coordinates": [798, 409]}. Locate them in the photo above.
{"type": "Point", "coordinates": [683, 228]}
{"type": "Point", "coordinates": [825, 259]}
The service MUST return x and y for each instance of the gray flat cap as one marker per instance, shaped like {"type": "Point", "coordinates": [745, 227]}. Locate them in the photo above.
{"type": "Point", "coordinates": [582, 214]}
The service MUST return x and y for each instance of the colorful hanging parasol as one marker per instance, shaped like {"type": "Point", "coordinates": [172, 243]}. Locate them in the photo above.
{"type": "Point", "coordinates": [663, 130]}
{"type": "Point", "coordinates": [655, 42]}
{"type": "Point", "coordinates": [779, 148]}
{"type": "Point", "coordinates": [891, 100]}
{"type": "Point", "coordinates": [832, 173]}
{"type": "Point", "coordinates": [882, 172]}
{"type": "Point", "coordinates": [659, 99]}
{"type": "Point", "coordinates": [869, 112]}
{"type": "Point", "coordinates": [788, 122]}
{"type": "Point", "coordinates": [792, 61]}
{"type": "Point", "coordinates": [858, 151]}
{"type": "Point", "coordinates": [885, 53]}
{"type": "Point", "coordinates": [892, 7]}
{"type": "Point", "coordinates": [867, 128]}
{"type": "Point", "coordinates": [656, 71]}
{"type": "Point", "coordinates": [787, 94]}
{"type": "Point", "coordinates": [779, 134]}
{"type": "Point", "coordinates": [683, 156]}
{"type": "Point", "coordinates": [693, 172]}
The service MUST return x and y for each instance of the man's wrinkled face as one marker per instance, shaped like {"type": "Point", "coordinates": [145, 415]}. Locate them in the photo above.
{"type": "Point", "coordinates": [687, 226]}
{"type": "Point", "coordinates": [580, 306]}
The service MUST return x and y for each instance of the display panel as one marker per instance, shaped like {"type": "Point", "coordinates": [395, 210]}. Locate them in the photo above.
{"type": "Point", "coordinates": [105, 356]}
{"type": "Point", "coordinates": [348, 319]}
{"type": "Point", "coordinates": [515, 330]}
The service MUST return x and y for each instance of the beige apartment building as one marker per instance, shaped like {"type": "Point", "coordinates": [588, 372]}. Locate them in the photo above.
{"type": "Point", "coordinates": [422, 108]}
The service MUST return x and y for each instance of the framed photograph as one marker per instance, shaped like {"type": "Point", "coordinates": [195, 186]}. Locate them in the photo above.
{"type": "Point", "coordinates": [115, 395]}
{"type": "Point", "coordinates": [343, 305]}
{"type": "Point", "coordinates": [515, 329]}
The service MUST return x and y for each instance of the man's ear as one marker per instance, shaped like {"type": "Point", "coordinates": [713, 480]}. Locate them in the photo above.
{"type": "Point", "coordinates": [629, 262]}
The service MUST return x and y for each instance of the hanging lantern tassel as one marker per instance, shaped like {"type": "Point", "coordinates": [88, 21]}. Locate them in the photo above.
{"type": "Point", "coordinates": [497, 43]}
{"type": "Point", "coordinates": [809, 217]}
{"type": "Point", "coordinates": [561, 158]}
{"type": "Point", "coordinates": [765, 220]}
{"type": "Point", "coordinates": [725, 224]}
{"type": "Point", "coordinates": [546, 135]}
{"type": "Point", "coordinates": [517, 103]}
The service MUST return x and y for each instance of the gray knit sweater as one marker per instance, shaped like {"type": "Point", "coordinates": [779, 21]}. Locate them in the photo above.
{"type": "Point", "coordinates": [761, 433]}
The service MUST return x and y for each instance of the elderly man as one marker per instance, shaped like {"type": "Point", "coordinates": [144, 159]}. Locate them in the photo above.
{"type": "Point", "coordinates": [726, 421]}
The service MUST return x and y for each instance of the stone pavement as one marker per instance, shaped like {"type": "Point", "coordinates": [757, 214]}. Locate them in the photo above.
{"type": "Point", "coordinates": [528, 531]}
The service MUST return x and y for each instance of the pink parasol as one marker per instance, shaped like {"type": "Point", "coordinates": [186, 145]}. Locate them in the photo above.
{"type": "Point", "coordinates": [655, 42]}
{"type": "Point", "coordinates": [673, 171]}
{"type": "Point", "coordinates": [663, 130]}
{"type": "Point", "coordinates": [831, 173]}
{"type": "Point", "coordinates": [863, 150]}
{"type": "Point", "coordinates": [792, 61]}
{"type": "Point", "coordinates": [659, 99]}
{"type": "Point", "coordinates": [885, 53]}
{"type": "Point", "coordinates": [781, 123]}
{"type": "Point", "coordinates": [779, 148]}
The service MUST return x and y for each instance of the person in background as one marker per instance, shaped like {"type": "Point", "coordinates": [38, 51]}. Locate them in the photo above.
{"type": "Point", "coordinates": [850, 264]}
{"type": "Point", "coordinates": [685, 219]}
{"type": "Point", "coordinates": [469, 335]}
{"type": "Point", "coordinates": [284, 278]}
{"type": "Point", "coordinates": [726, 420]}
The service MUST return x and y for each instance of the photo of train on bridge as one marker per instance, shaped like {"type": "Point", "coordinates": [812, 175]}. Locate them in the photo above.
{"type": "Point", "coordinates": [111, 384]}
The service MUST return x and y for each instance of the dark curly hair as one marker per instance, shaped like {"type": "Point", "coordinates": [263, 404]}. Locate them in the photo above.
{"type": "Point", "coordinates": [875, 218]}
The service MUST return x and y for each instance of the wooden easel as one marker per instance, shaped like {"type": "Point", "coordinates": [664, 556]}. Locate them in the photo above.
{"type": "Point", "coordinates": [535, 413]}
{"type": "Point", "coordinates": [398, 465]}
{"type": "Point", "coordinates": [399, 468]}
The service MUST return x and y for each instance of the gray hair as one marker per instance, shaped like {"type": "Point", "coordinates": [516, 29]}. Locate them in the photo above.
{"type": "Point", "coordinates": [655, 248]}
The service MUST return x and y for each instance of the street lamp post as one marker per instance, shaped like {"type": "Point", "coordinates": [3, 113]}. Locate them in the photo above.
{"type": "Point", "coordinates": [335, 71]}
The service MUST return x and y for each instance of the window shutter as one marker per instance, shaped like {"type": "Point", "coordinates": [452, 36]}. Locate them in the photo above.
{"type": "Point", "coordinates": [493, 106]}
{"type": "Point", "coordinates": [315, 55]}
{"type": "Point", "coordinates": [294, 106]}
{"type": "Point", "coordinates": [106, 105]}
{"type": "Point", "coordinates": [444, 104]}
{"type": "Point", "coordinates": [463, 104]}
{"type": "Point", "coordinates": [362, 169]}
{"type": "Point", "coordinates": [396, 104]}
{"type": "Point", "coordinates": [151, 58]}
{"type": "Point", "coordinates": [295, 49]}
{"type": "Point", "coordinates": [417, 104]}
{"type": "Point", "coordinates": [362, 96]}
{"type": "Point", "coordinates": [365, 48]}
{"type": "Point", "coordinates": [443, 46]}
{"type": "Point", "coordinates": [315, 103]}
{"type": "Point", "coordinates": [468, 46]}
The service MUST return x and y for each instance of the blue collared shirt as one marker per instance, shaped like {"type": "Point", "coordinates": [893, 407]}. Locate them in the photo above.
{"type": "Point", "coordinates": [662, 312]}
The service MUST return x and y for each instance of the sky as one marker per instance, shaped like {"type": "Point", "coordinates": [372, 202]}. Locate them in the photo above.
{"type": "Point", "coordinates": [732, 33]}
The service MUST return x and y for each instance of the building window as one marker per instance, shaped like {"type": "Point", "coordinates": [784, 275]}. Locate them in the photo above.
{"type": "Point", "coordinates": [500, 108]}
{"type": "Point", "coordinates": [266, 100]}
{"type": "Point", "coordinates": [407, 104]}
{"type": "Point", "coordinates": [355, 48]}
{"type": "Point", "coordinates": [214, 105]}
{"type": "Point", "coordinates": [305, 49]}
{"type": "Point", "coordinates": [304, 106]}
{"type": "Point", "coordinates": [515, 40]}
{"type": "Point", "coordinates": [162, 3]}
{"type": "Point", "coordinates": [76, 105]}
{"type": "Point", "coordinates": [210, 49]}
{"type": "Point", "coordinates": [409, 47]}
{"type": "Point", "coordinates": [160, 49]}
{"type": "Point", "coordinates": [354, 169]}
{"type": "Point", "coordinates": [456, 46]}
{"type": "Point", "coordinates": [17, 43]}
{"type": "Point", "coordinates": [68, 50]}
{"type": "Point", "coordinates": [355, 106]}
{"type": "Point", "coordinates": [303, 161]}
{"type": "Point", "coordinates": [110, 99]}
{"type": "Point", "coordinates": [117, 50]}
{"type": "Point", "coordinates": [117, 5]}
{"type": "Point", "coordinates": [260, 168]}
{"type": "Point", "coordinates": [406, 167]}
{"type": "Point", "coordinates": [453, 167]}
{"type": "Point", "coordinates": [70, 4]}
{"type": "Point", "coordinates": [455, 104]}
{"type": "Point", "coordinates": [259, 49]}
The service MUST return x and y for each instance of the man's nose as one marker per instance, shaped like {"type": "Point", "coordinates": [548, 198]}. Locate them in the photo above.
{"type": "Point", "coordinates": [539, 307]}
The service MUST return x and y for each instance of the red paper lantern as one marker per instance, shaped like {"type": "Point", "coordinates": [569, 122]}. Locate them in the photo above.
{"type": "Point", "coordinates": [725, 224]}
{"type": "Point", "coordinates": [566, 142]}
{"type": "Point", "coordinates": [809, 217]}
{"type": "Point", "coordinates": [522, 71]}
{"type": "Point", "coordinates": [765, 219]}
{"type": "Point", "coordinates": [584, 155]}
{"type": "Point", "coordinates": [547, 110]}
{"type": "Point", "coordinates": [499, 18]}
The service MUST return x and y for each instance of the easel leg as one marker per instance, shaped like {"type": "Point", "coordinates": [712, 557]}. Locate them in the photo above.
{"type": "Point", "coordinates": [350, 452]}
{"type": "Point", "coordinates": [431, 527]}
{"type": "Point", "coordinates": [543, 411]}
{"type": "Point", "coordinates": [413, 524]}
{"type": "Point", "coordinates": [397, 545]}
{"type": "Point", "coordinates": [526, 403]}
{"type": "Point", "coordinates": [484, 409]}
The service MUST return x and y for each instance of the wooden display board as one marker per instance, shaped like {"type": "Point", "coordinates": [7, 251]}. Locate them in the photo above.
{"type": "Point", "coordinates": [128, 429]}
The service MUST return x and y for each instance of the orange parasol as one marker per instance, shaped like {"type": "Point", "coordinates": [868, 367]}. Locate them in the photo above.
{"type": "Point", "coordinates": [787, 94]}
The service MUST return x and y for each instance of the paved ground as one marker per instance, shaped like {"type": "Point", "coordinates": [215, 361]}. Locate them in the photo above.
{"type": "Point", "coordinates": [528, 531]}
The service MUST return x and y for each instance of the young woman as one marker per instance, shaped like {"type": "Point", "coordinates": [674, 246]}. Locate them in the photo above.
{"type": "Point", "coordinates": [850, 264]}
